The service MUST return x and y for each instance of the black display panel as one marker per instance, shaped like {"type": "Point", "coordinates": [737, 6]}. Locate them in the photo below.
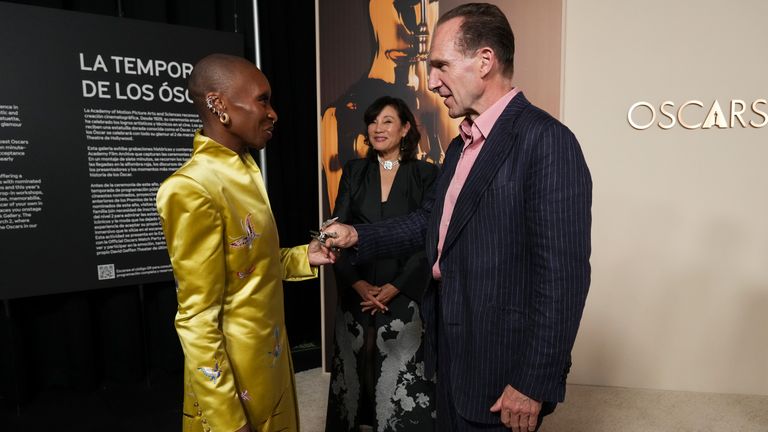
{"type": "Point", "coordinates": [93, 116]}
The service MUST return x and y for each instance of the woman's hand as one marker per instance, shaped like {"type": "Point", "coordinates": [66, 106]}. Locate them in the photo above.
{"type": "Point", "coordinates": [368, 293]}
{"type": "Point", "coordinates": [319, 254]}
{"type": "Point", "coordinates": [386, 293]}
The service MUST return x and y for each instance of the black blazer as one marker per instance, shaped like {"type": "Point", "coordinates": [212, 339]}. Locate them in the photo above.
{"type": "Point", "coordinates": [515, 261]}
{"type": "Point", "coordinates": [359, 201]}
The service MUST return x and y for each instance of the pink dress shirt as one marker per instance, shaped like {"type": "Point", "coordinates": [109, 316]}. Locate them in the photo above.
{"type": "Point", "coordinates": [474, 135]}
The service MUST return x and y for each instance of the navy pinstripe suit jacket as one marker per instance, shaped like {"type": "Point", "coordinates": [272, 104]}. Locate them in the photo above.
{"type": "Point", "coordinates": [515, 261]}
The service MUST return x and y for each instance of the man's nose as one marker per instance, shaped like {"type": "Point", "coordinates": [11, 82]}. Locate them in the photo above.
{"type": "Point", "coordinates": [272, 115]}
{"type": "Point", "coordinates": [434, 82]}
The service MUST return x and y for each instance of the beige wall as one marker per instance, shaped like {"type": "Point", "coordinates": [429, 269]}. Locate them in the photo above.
{"type": "Point", "coordinates": [679, 296]}
{"type": "Point", "coordinates": [538, 38]}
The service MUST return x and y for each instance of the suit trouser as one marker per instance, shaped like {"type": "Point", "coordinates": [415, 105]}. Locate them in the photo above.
{"type": "Point", "coordinates": [448, 418]}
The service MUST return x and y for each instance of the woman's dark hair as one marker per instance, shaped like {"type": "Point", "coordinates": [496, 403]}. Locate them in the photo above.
{"type": "Point", "coordinates": [410, 144]}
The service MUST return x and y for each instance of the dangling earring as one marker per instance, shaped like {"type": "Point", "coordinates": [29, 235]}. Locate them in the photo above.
{"type": "Point", "coordinates": [224, 118]}
{"type": "Point", "coordinates": [402, 145]}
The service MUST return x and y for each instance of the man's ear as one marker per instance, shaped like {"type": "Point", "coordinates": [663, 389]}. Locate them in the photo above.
{"type": "Point", "coordinates": [487, 60]}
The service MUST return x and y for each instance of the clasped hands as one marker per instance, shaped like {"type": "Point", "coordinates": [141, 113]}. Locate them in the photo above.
{"type": "Point", "coordinates": [375, 298]}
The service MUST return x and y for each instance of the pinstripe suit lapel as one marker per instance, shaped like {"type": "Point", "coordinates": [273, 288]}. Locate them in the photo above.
{"type": "Point", "coordinates": [493, 154]}
{"type": "Point", "coordinates": [446, 174]}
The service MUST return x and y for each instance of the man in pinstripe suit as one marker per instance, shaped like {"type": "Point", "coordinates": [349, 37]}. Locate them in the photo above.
{"type": "Point", "coordinates": [508, 231]}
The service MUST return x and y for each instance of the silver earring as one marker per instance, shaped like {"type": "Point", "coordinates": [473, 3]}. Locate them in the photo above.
{"type": "Point", "coordinates": [209, 104]}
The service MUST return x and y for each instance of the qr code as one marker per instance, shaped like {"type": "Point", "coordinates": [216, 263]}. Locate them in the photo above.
{"type": "Point", "coordinates": [106, 271]}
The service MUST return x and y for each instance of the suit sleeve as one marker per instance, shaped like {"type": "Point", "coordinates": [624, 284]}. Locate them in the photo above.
{"type": "Point", "coordinates": [415, 273]}
{"type": "Point", "coordinates": [193, 231]}
{"type": "Point", "coordinates": [558, 222]}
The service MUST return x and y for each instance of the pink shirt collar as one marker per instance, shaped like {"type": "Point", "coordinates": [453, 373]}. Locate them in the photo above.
{"type": "Point", "coordinates": [485, 121]}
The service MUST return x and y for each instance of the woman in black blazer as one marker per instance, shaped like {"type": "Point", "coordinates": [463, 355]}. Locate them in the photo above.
{"type": "Point", "coordinates": [377, 376]}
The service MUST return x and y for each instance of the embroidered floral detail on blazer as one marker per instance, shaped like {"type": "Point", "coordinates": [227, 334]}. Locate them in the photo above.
{"type": "Point", "coordinates": [249, 237]}
{"type": "Point", "coordinates": [244, 274]}
{"type": "Point", "coordinates": [275, 353]}
{"type": "Point", "coordinates": [213, 373]}
{"type": "Point", "coordinates": [245, 396]}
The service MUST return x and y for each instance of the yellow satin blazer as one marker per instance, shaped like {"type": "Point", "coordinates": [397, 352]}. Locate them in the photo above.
{"type": "Point", "coordinates": [229, 269]}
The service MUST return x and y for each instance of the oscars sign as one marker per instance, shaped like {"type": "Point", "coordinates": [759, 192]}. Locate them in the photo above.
{"type": "Point", "coordinates": [692, 114]}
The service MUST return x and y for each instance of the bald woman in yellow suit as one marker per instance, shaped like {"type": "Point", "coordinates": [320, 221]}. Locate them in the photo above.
{"type": "Point", "coordinates": [227, 261]}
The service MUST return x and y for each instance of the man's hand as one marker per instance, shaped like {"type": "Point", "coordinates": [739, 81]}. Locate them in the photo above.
{"type": "Point", "coordinates": [384, 296]}
{"type": "Point", "coordinates": [320, 254]}
{"type": "Point", "coordinates": [518, 412]}
{"type": "Point", "coordinates": [345, 235]}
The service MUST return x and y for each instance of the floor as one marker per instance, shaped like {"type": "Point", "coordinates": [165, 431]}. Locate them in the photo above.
{"type": "Point", "coordinates": [156, 407]}
{"type": "Point", "coordinates": [601, 409]}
